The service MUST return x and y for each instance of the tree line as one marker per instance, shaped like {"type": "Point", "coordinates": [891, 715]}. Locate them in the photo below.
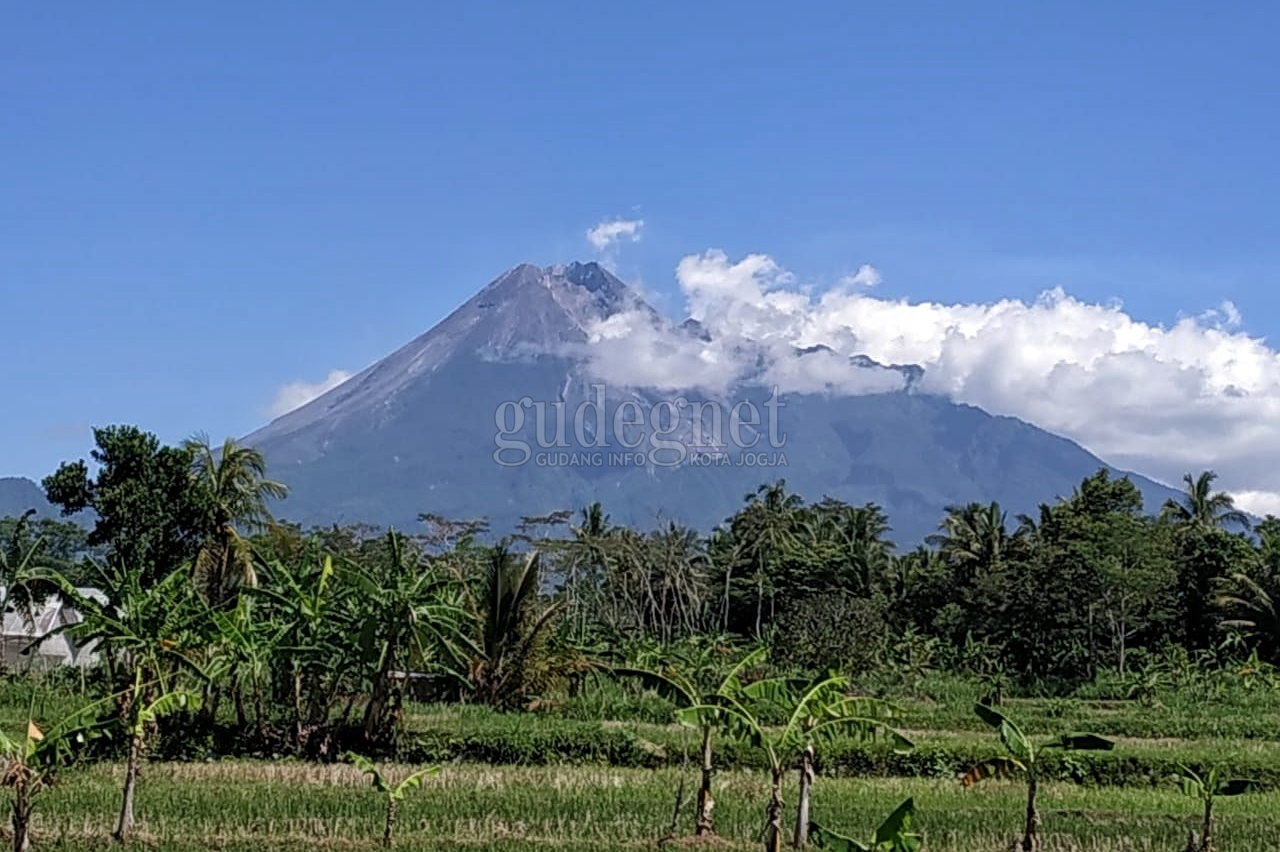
{"type": "Point", "coordinates": [297, 633]}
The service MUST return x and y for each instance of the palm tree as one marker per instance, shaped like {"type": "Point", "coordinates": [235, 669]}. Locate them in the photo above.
{"type": "Point", "coordinates": [1203, 507]}
{"type": "Point", "coordinates": [768, 524]}
{"type": "Point", "coordinates": [860, 534]}
{"type": "Point", "coordinates": [588, 559]}
{"type": "Point", "coordinates": [234, 480]}
{"type": "Point", "coordinates": [1254, 609]}
{"type": "Point", "coordinates": [973, 540]}
{"type": "Point", "coordinates": [512, 631]}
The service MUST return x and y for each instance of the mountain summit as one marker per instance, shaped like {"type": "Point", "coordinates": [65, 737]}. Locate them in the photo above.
{"type": "Point", "coordinates": [462, 422]}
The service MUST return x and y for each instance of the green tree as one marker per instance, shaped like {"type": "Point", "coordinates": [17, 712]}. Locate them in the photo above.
{"type": "Point", "coordinates": [514, 627]}
{"type": "Point", "coordinates": [233, 480]}
{"type": "Point", "coordinates": [974, 540]}
{"type": "Point", "coordinates": [1202, 507]}
{"type": "Point", "coordinates": [314, 643]}
{"type": "Point", "coordinates": [762, 531]}
{"type": "Point", "coordinates": [409, 619]}
{"type": "Point", "coordinates": [54, 544]}
{"type": "Point", "coordinates": [29, 766]}
{"type": "Point", "coordinates": [1204, 557]}
{"type": "Point", "coordinates": [1252, 605]}
{"type": "Point", "coordinates": [149, 514]}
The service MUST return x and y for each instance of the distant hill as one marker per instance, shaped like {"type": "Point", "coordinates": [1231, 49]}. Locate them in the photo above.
{"type": "Point", "coordinates": [416, 431]}
{"type": "Point", "coordinates": [17, 495]}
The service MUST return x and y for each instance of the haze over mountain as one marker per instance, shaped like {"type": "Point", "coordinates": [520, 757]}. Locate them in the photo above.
{"type": "Point", "coordinates": [419, 431]}
{"type": "Point", "coordinates": [17, 495]}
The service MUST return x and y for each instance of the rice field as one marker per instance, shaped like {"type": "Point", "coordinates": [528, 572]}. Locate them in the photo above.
{"type": "Point", "coordinates": [285, 805]}
{"type": "Point", "coordinates": [288, 805]}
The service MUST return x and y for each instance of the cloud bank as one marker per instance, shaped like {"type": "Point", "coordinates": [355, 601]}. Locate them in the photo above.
{"type": "Point", "coordinates": [297, 394]}
{"type": "Point", "coordinates": [1161, 400]}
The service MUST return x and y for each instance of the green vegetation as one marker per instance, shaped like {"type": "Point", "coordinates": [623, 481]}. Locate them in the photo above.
{"type": "Point", "coordinates": [893, 835]}
{"type": "Point", "coordinates": [575, 676]}
{"type": "Point", "coordinates": [394, 792]}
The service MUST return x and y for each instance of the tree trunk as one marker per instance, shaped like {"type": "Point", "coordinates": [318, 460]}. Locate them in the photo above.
{"type": "Point", "coordinates": [1122, 648]}
{"type": "Point", "coordinates": [773, 831]}
{"type": "Point", "coordinates": [237, 700]}
{"type": "Point", "coordinates": [125, 823]}
{"type": "Point", "coordinates": [1030, 839]}
{"type": "Point", "coordinates": [260, 720]}
{"type": "Point", "coordinates": [391, 823]}
{"type": "Point", "coordinates": [209, 711]}
{"type": "Point", "coordinates": [21, 818]}
{"type": "Point", "coordinates": [759, 602]}
{"type": "Point", "coordinates": [382, 711]}
{"type": "Point", "coordinates": [705, 803]}
{"type": "Point", "coordinates": [1206, 836]}
{"type": "Point", "coordinates": [806, 790]}
{"type": "Point", "coordinates": [297, 708]}
{"type": "Point", "coordinates": [724, 620]}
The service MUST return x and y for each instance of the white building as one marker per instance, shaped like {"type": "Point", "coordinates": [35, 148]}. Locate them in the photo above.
{"type": "Point", "coordinates": [24, 646]}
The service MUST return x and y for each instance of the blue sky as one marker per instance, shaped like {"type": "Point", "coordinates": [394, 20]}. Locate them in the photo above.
{"type": "Point", "coordinates": [202, 206]}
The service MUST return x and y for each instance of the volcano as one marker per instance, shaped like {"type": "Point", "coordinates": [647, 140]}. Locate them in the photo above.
{"type": "Point", "coordinates": [495, 413]}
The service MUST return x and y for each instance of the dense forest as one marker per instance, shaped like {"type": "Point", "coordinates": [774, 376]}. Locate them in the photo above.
{"type": "Point", "coordinates": [225, 626]}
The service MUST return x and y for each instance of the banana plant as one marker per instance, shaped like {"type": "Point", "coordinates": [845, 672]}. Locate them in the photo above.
{"type": "Point", "coordinates": [141, 717]}
{"type": "Point", "coordinates": [891, 836]}
{"type": "Point", "coordinates": [1023, 756]}
{"type": "Point", "coordinates": [1206, 788]}
{"type": "Point", "coordinates": [818, 711]}
{"type": "Point", "coordinates": [28, 766]}
{"type": "Point", "coordinates": [684, 691]}
{"type": "Point", "coordinates": [394, 793]}
{"type": "Point", "coordinates": [149, 635]}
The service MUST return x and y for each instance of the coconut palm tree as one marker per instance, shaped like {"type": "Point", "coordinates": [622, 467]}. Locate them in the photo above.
{"type": "Point", "coordinates": [514, 628]}
{"type": "Point", "coordinates": [234, 480]}
{"type": "Point", "coordinates": [1203, 507]}
{"type": "Point", "coordinates": [768, 524]}
{"type": "Point", "coordinates": [973, 539]}
{"type": "Point", "coordinates": [1253, 608]}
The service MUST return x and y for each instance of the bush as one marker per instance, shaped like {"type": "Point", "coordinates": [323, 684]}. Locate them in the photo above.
{"type": "Point", "coordinates": [825, 632]}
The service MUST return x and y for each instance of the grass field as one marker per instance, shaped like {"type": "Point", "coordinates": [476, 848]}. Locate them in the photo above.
{"type": "Point", "coordinates": [289, 806]}
{"type": "Point", "coordinates": [547, 787]}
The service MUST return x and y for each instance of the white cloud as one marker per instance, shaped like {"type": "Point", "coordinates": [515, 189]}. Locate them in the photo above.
{"type": "Point", "coordinates": [866, 276]}
{"type": "Point", "coordinates": [297, 394]}
{"type": "Point", "coordinates": [604, 235]}
{"type": "Point", "coordinates": [1260, 503]}
{"type": "Point", "coordinates": [1198, 394]}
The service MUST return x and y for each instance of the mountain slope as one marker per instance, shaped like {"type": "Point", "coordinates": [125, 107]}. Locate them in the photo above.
{"type": "Point", "coordinates": [17, 495]}
{"type": "Point", "coordinates": [417, 432]}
